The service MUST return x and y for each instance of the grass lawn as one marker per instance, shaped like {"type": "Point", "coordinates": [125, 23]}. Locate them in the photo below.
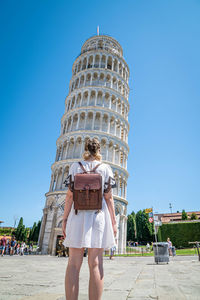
{"type": "Point", "coordinates": [189, 251]}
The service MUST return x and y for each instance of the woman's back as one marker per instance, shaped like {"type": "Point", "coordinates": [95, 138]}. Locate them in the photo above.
{"type": "Point", "coordinates": [90, 228]}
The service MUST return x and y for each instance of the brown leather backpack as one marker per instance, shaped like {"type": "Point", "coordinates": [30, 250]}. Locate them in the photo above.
{"type": "Point", "coordinates": [87, 190]}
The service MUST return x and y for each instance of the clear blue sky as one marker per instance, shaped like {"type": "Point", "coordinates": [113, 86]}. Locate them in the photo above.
{"type": "Point", "coordinates": [39, 42]}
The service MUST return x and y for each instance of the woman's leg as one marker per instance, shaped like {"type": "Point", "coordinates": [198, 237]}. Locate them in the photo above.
{"type": "Point", "coordinates": [95, 261]}
{"type": "Point", "coordinates": [72, 273]}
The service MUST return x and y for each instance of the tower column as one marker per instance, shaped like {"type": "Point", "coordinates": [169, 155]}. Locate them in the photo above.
{"type": "Point", "coordinates": [101, 119]}
{"type": "Point", "coordinates": [42, 229]}
{"type": "Point", "coordinates": [66, 154]}
{"type": "Point", "coordinates": [93, 120]}
{"type": "Point", "coordinates": [107, 145]}
{"type": "Point", "coordinates": [51, 184]}
{"type": "Point", "coordinates": [55, 208]}
{"type": "Point", "coordinates": [95, 103]}
{"type": "Point", "coordinates": [108, 131]}
{"type": "Point", "coordinates": [82, 146]}
{"type": "Point", "coordinates": [72, 119]}
{"type": "Point", "coordinates": [62, 179]}
{"type": "Point", "coordinates": [78, 121]}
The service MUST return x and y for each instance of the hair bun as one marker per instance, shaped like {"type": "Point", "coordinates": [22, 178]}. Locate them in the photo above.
{"type": "Point", "coordinates": [92, 145]}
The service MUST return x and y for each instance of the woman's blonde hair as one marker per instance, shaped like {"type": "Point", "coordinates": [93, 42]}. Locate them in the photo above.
{"type": "Point", "coordinates": [92, 149]}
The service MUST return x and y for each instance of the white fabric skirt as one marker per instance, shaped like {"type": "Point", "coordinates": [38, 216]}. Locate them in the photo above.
{"type": "Point", "coordinates": [89, 229]}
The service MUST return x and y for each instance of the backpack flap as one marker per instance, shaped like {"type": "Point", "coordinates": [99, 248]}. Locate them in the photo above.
{"type": "Point", "coordinates": [87, 194]}
{"type": "Point", "coordinates": [83, 181]}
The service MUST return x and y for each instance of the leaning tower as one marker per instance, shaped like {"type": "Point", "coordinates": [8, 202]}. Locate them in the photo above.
{"type": "Point", "coordinates": [96, 106]}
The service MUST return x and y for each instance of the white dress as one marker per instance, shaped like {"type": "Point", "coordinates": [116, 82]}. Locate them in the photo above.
{"type": "Point", "coordinates": [89, 229]}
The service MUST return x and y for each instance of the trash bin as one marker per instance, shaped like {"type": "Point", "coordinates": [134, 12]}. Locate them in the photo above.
{"type": "Point", "coordinates": [161, 253]}
{"type": "Point", "coordinates": [173, 251]}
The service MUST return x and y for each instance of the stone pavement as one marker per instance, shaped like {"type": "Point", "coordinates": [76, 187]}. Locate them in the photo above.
{"type": "Point", "coordinates": [126, 278]}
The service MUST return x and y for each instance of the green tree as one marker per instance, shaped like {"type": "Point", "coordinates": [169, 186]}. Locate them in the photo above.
{"type": "Point", "coordinates": [193, 216]}
{"type": "Point", "coordinates": [21, 231]}
{"type": "Point", "coordinates": [184, 215]}
{"type": "Point", "coordinates": [37, 230]}
{"type": "Point", "coordinates": [26, 234]}
{"type": "Point", "coordinates": [143, 227]}
{"type": "Point", "coordinates": [34, 232]}
{"type": "Point", "coordinates": [131, 227]}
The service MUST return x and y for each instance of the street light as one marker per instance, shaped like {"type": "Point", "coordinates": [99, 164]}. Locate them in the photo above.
{"type": "Point", "coordinates": [170, 206]}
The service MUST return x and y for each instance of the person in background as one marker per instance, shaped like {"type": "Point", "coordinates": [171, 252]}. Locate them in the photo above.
{"type": "Point", "coordinates": [148, 247]}
{"type": "Point", "coordinates": [169, 246]}
{"type": "Point", "coordinates": [12, 246]}
{"type": "Point", "coordinates": [8, 246]}
{"type": "Point", "coordinates": [3, 243]}
{"type": "Point", "coordinates": [30, 250]}
{"type": "Point", "coordinates": [22, 248]}
{"type": "Point", "coordinates": [18, 249]}
{"type": "Point", "coordinates": [112, 252]}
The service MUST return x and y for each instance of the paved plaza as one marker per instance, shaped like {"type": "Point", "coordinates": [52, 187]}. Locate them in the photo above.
{"type": "Point", "coordinates": [42, 278]}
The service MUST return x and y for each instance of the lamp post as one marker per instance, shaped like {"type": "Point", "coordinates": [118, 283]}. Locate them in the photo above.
{"type": "Point", "coordinates": [170, 207]}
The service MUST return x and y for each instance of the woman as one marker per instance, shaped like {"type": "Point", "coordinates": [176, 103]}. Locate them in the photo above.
{"type": "Point", "coordinates": [89, 229]}
{"type": "Point", "coordinates": [169, 246]}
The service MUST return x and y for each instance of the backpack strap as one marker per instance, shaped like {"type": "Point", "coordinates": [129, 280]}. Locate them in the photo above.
{"type": "Point", "coordinates": [82, 167]}
{"type": "Point", "coordinates": [93, 170]}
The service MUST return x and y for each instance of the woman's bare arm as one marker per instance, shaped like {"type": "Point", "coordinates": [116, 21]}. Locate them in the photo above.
{"type": "Point", "coordinates": [110, 203]}
{"type": "Point", "coordinates": [68, 205]}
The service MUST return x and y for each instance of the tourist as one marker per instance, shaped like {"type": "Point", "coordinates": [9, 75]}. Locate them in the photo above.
{"type": "Point", "coordinates": [12, 246]}
{"type": "Point", "coordinates": [90, 229]}
{"type": "Point", "coordinates": [18, 249]}
{"type": "Point", "coordinates": [30, 249]}
{"type": "Point", "coordinates": [22, 248]}
{"type": "Point", "coordinates": [112, 252]}
{"type": "Point", "coordinates": [3, 244]}
{"type": "Point", "coordinates": [148, 247]}
{"type": "Point", "coordinates": [7, 250]}
{"type": "Point", "coordinates": [169, 246]}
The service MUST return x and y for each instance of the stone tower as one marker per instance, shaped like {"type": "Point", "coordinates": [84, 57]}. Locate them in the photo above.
{"type": "Point", "coordinates": [96, 106]}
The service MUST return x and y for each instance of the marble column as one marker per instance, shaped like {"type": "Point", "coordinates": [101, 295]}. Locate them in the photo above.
{"type": "Point", "coordinates": [93, 120]}
{"type": "Point", "coordinates": [56, 183]}
{"type": "Point", "coordinates": [42, 230]}
{"type": "Point", "coordinates": [78, 121]}
{"type": "Point", "coordinates": [55, 208]}
{"type": "Point", "coordinates": [51, 184]}
{"type": "Point", "coordinates": [120, 241]}
{"type": "Point", "coordinates": [108, 131]}
{"type": "Point", "coordinates": [107, 145]}
{"type": "Point", "coordinates": [61, 183]}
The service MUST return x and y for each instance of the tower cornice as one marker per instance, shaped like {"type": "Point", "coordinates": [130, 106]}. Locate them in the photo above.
{"type": "Point", "coordinates": [89, 52]}
{"type": "Point", "coordinates": [78, 90]}
{"type": "Point", "coordinates": [96, 109]}
{"type": "Point", "coordinates": [99, 70]}
{"type": "Point", "coordinates": [62, 163]}
{"type": "Point", "coordinates": [97, 88]}
{"type": "Point", "coordinates": [87, 133]}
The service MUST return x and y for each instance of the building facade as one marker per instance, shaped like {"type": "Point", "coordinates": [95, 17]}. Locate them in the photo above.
{"type": "Point", "coordinates": [96, 106]}
{"type": "Point", "coordinates": [177, 217]}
